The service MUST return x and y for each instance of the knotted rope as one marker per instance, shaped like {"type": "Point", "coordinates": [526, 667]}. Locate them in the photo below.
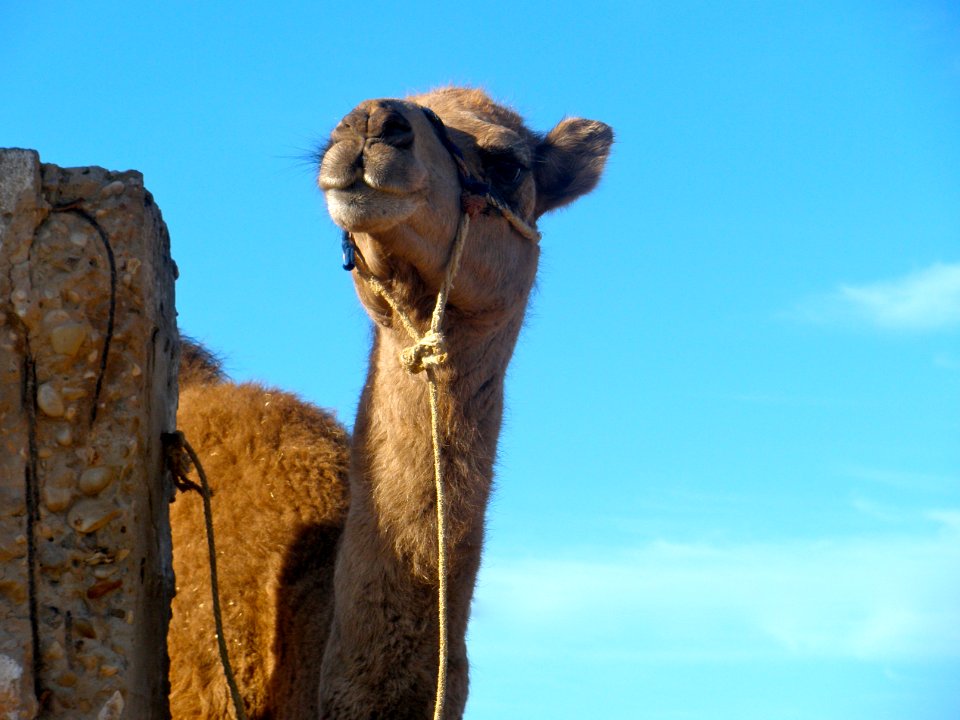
{"type": "Point", "coordinates": [427, 353]}
{"type": "Point", "coordinates": [429, 349]}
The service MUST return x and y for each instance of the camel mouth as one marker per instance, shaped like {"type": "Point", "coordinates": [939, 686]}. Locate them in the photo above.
{"type": "Point", "coordinates": [362, 208]}
{"type": "Point", "coordinates": [370, 185]}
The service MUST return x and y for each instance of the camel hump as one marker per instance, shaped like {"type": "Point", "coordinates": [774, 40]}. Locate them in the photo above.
{"type": "Point", "coordinates": [198, 365]}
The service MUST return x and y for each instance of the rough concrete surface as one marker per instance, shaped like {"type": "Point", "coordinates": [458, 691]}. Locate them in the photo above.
{"type": "Point", "coordinates": [88, 346]}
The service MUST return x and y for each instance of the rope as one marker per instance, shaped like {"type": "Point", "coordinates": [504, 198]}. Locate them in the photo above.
{"type": "Point", "coordinates": [176, 445]}
{"type": "Point", "coordinates": [427, 353]}
{"type": "Point", "coordinates": [443, 651]}
{"type": "Point", "coordinates": [522, 227]}
{"type": "Point", "coordinates": [429, 348]}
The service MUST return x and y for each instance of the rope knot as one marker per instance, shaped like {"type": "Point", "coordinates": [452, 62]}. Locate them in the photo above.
{"type": "Point", "coordinates": [428, 351]}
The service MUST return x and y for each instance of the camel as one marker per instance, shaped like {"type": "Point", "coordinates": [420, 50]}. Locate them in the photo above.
{"type": "Point", "coordinates": [328, 545]}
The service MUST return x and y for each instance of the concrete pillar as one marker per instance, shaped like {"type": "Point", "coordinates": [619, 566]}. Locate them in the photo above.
{"type": "Point", "coordinates": [88, 346]}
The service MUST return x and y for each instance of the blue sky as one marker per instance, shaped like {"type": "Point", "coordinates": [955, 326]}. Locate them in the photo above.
{"type": "Point", "coordinates": [729, 484]}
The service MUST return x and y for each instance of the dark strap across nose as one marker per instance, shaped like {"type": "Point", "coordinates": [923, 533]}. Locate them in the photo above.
{"type": "Point", "coordinates": [468, 183]}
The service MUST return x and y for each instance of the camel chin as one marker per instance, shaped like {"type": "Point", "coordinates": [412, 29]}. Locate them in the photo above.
{"type": "Point", "coordinates": [362, 209]}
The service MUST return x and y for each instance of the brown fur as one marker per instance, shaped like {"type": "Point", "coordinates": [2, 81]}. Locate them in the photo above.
{"type": "Point", "coordinates": [355, 638]}
{"type": "Point", "coordinates": [278, 470]}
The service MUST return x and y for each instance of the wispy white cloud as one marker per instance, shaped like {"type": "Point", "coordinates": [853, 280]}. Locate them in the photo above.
{"type": "Point", "coordinates": [880, 599]}
{"type": "Point", "coordinates": [928, 299]}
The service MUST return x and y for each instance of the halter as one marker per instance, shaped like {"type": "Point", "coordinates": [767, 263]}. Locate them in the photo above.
{"type": "Point", "coordinates": [475, 194]}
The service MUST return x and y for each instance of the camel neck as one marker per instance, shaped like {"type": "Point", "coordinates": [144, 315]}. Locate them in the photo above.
{"type": "Point", "coordinates": [385, 598]}
{"type": "Point", "coordinates": [392, 450]}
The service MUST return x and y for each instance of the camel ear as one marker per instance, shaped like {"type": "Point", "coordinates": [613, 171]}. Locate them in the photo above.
{"type": "Point", "coordinates": [569, 161]}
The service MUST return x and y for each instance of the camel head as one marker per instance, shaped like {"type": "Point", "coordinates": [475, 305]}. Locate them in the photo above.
{"type": "Point", "coordinates": [391, 181]}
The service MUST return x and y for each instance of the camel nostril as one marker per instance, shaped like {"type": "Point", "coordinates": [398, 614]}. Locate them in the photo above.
{"type": "Point", "coordinates": [391, 127]}
{"type": "Point", "coordinates": [354, 123]}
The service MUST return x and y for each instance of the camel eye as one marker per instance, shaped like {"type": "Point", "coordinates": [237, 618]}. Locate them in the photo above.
{"type": "Point", "coordinates": [503, 169]}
